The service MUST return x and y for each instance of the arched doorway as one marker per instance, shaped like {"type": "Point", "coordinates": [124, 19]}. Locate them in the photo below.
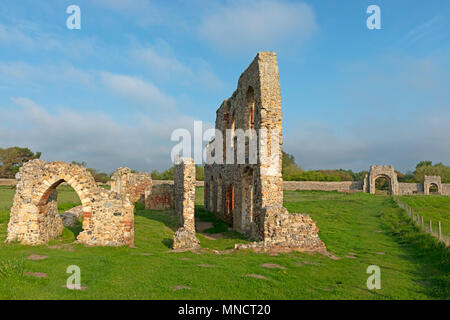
{"type": "Point", "coordinates": [433, 189]}
{"type": "Point", "coordinates": [229, 204]}
{"type": "Point", "coordinates": [383, 185]}
{"type": "Point", "coordinates": [219, 195]}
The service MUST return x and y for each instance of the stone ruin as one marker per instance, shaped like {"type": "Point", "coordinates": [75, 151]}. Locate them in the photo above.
{"type": "Point", "coordinates": [377, 172]}
{"type": "Point", "coordinates": [161, 197]}
{"type": "Point", "coordinates": [250, 196]}
{"type": "Point", "coordinates": [108, 217]}
{"type": "Point", "coordinates": [184, 178]}
{"type": "Point", "coordinates": [432, 181]}
{"type": "Point", "coordinates": [134, 185]}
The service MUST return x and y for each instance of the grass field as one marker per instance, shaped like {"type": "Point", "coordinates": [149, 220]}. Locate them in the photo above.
{"type": "Point", "coordinates": [360, 229]}
{"type": "Point", "coordinates": [436, 208]}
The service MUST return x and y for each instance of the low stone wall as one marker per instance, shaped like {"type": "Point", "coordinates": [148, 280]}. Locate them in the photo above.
{"type": "Point", "coordinates": [341, 186]}
{"type": "Point", "coordinates": [8, 182]}
{"type": "Point", "coordinates": [134, 185]}
{"type": "Point", "coordinates": [184, 175]}
{"type": "Point", "coordinates": [446, 189]}
{"type": "Point", "coordinates": [410, 188]}
{"type": "Point", "coordinates": [161, 197]}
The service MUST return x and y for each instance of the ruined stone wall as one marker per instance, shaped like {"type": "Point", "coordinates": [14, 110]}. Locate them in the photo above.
{"type": "Point", "coordinates": [376, 172]}
{"type": "Point", "coordinates": [446, 189]}
{"type": "Point", "coordinates": [410, 188]}
{"type": "Point", "coordinates": [134, 185]}
{"type": "Point", "coordinates": [184, 191]}
{"type": "Point", "coordinates": [242, 193]}
{"type": "Point", "coordinates": [108, 217]}
{"type": "Point", "coordinates": [161, 197]}
{"type": "Point", "coordinates": [341, 186]}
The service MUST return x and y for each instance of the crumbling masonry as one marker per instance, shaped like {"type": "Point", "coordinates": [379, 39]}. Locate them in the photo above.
{"type": "Point", "coordinates": [184, 177]}
{"type": "Point", "coordinates": [134, 185]}
{"type": "Point", "coordinates": [250, 195]}
{"type": "Point", "coordinates": [108, 217]}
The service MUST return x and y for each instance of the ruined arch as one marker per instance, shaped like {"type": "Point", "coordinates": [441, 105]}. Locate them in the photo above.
{"type": "Point", "coordinates": [381, 171]}
{"type": "Point", "coordinates": [108, 217]}
{"type": "Point", "coordinates": [219, 209]}
{"type": "Point", "coordinates": [430, 181]}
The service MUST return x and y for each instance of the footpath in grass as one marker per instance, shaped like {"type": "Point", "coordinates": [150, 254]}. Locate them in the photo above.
{"type": "Point", "coordinates": [360, 229]}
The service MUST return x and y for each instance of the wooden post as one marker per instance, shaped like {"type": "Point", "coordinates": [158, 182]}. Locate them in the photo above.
{"type": "Point", "coordinates": [421, 222]}
{"type": "Point", "coordinates": [439, 230]}
{"type": "Point", "coordinates": [431, 227]}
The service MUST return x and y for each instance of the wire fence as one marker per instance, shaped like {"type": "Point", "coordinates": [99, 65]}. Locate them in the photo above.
{"type": "Point", "coordinates": [433, 228]}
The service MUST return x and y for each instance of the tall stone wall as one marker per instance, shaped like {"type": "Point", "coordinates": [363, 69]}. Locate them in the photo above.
{"type": "Point", "coordinates": [134, 185]}
{"type": "Point", "coordinates": [184, 177]}
{"type": "Point", "coordinates": [108, 217]}
{"type": "Point", "coordinates": [249, 194]}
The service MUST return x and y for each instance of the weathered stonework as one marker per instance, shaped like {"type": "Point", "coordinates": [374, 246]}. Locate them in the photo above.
{"type": "Point", "coordinates": [250, 195]}
{"type": "Point", "coordinates": [134, 185]}
{"type": "Point", "coordinates": [161, 197]}
{"type": "Point", "coordinates": [432, 181]}
{"type": "Point", "coordinates": [108, 217]}
{"type": "Point", "coordinates": [381, 171]}
{"type": "Point", "coordinates": [184, 177]}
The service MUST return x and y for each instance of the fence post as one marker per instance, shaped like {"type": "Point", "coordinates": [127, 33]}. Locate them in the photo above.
{"type": "Point", "coordinates": [431, 227]}
{"type": "Point", "coordinates": [439, 230]}
{"type": "Point", "coordinates": [421, 222]}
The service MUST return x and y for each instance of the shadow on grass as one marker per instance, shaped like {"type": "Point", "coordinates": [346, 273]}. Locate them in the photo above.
{"type": "Point", "coordinates": [170, 219]}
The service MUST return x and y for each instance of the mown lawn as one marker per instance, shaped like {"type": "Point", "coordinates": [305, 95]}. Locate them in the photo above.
{"type": "Point", "coordinates": [360, 229]}
{"type": "Point", "coordinates": [436, 208]}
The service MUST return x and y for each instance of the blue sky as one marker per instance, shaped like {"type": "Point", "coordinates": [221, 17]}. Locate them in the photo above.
{"type": "Point", "coordinates": [111, 93]}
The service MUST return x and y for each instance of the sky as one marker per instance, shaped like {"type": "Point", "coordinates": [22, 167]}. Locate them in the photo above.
{"type": "Point", "coordinates": [112, 92]}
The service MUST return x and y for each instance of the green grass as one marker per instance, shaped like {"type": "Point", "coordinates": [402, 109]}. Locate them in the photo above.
{"type": "Point", "coordinates": [413, 266]}
{"type": "Point", "coordinates": [436, 208]}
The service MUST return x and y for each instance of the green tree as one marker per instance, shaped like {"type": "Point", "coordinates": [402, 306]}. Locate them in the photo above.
{"type": "Point", "coordinates": [11, 159]}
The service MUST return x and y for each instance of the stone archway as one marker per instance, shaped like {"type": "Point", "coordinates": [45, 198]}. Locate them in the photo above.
{"type": "Point", "coordinates": [377, 172]}
{"type": "Point", "coordinates": [108, 217]}
{"type": "Point", "coordinates": [430, 181]}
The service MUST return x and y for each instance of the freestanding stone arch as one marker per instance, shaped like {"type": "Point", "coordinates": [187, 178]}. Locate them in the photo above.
{"type": "Point", "coordinates": [381, 171]}
{"type": "Point", "coordinates": [108, 217]}
{"type": "Point", "coordinates": [432, 180]}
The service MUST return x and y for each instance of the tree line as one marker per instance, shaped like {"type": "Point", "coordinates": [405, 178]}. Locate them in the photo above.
{"type": "Point", "coordinates": [11, 159]}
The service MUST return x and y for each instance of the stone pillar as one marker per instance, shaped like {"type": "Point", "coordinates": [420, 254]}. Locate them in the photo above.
{"type": "Point", "coordinates": [184, 193]}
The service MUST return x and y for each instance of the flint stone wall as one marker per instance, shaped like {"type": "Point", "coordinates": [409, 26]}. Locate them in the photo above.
{"type": "Point", "coordinates": [250, 195]}
{"type": "Point", "coordinates": [108, 217]}
{"type": "Point", "coordinates": [134, 185]}
{"type": "Point", "coordinates": [184, 176]}
{"type": "Point", "coordinates": [161, 197]}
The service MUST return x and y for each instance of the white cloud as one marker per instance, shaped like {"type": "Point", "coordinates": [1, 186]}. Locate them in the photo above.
{"type": "Point", "coordinates": [258, 25]}
{"type": "Point", "coordinates": [96, 138]}
{"type": "Point", "coordinates": [146, 94]}
{"type": "Point", "coordinates": [161, 61]}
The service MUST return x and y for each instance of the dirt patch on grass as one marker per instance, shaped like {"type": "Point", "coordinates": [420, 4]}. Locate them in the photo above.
{"type": "Point", "coordinates": [272, 266]}
{"type": "Point", "coordinates": [176, 288]}
{"type": "Point", "coordinates": [36, 257]}
{"type": "Point", "coordinates": [256, 276]}
{"type": "Point", "coordinates": [201, 226]}
{"type": "Point", "coordinates": [36, 274]}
